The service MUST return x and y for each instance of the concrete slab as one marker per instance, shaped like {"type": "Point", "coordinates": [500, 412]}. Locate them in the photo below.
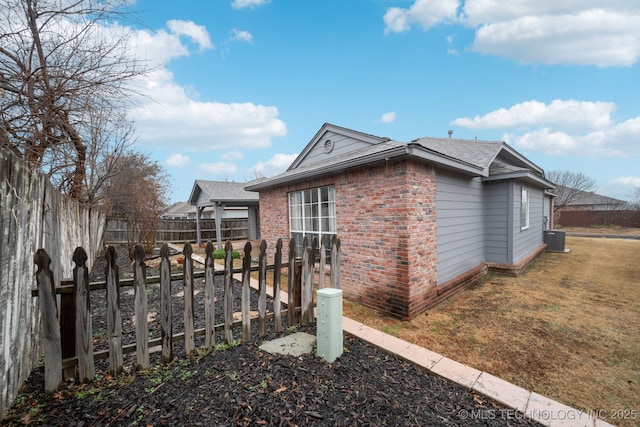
{"type": "Point", "coordinates": [555, 414]}
{"type": "Point", "coordinates": [293, 345]}
{"type": "Point", "coordinates": [502, 391]}
{"type": "Point", "coordinates": [464, 375]}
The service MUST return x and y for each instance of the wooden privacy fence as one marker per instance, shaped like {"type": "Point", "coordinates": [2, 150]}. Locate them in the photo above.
{"type": "Point", "coordinates": [68, 337]}
{"type": "Point", "coordinates": [123, 231]}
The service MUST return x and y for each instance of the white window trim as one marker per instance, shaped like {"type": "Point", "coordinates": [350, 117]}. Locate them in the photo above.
{"type": "Point", "coordinates": [524, 209]}
{"type": "Point", "coordinates": [299, 220]}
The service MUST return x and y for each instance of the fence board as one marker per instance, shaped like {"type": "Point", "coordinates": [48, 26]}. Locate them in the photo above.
{"type": "Point", "coordinates": [246, 293]}
{"type": "Point", "coordinates": [228, 293]}
{"type": "Point", "coordinates": [277, 275]}
{"type": "Point", "coordinates": [335, 263]}
{"type": "Point", "coordinates": [114, 317]}
{"type": "Point", "coordinates": [166, 322]}
{"type": "Point", "coordinates": [209, 297]}
{"type": "Point", "coordinates": [262, 289]}
{"type": "Point", "coordinates": [50, 323]}
{"type": "Point", "coordinates": [140, 305]}
{"type": "Point", "coordinates": [187, 265]}
{"type": "Point", "coordinates": [83, 330]}
{"type": "Point", "coordinates": [323, 263]}
{"type": "Point", "coordinates": [293, 287]}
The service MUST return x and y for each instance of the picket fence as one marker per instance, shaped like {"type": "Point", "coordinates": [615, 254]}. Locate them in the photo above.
{"type": "Point", "coordinates": [68, 337]}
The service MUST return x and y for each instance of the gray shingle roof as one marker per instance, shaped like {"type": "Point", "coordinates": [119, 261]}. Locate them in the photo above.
{"type": "Point", "coordinates": [223, 191]}
{"type": "Point", "coordinates": [477, 153]}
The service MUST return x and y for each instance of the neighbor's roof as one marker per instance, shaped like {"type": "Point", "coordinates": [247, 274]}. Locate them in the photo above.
{"type": "Point", "coordinates": [205, 192]}
{"type": "Point", "coordinates": [587, 198]}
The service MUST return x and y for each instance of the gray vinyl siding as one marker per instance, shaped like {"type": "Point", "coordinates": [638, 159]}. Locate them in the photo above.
{"type": "Point", "coordinates": [497, 221]}
{"type": "Point", "coordinates": [460, 224]}
{"type": "Point", "coordinates": [341, 145]}
{"type": "Point", "coordinates": [524, 241]}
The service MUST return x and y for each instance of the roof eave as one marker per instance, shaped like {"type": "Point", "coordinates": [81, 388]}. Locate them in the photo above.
{"type": "Point", "coordinates": [523, 175]}
{"type": "Point", "coordinates": [291, 176]}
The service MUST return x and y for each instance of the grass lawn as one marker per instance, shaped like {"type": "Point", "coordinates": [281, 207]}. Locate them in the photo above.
{"type": "Point", "coordinates": [568, 328]}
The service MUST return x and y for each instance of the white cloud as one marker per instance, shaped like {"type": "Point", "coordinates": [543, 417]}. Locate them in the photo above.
{"type": "Point", "coordinates": [559, 114]}
{"type": "Point", "coordinates": [425, 13]}
{"type": "Point", "coordinates": [627, 181]}
{"type": "Point", "coordinates": [218, 169]}
{"type": "Point", "coordinates": [388, 117]}
{"type": "Point", "coordinates": [197, 33]}
{"type": "Point", "coordinates": [241, 36]}
{"type": "Point", "coordinates": [171, 114]}
{"type": "Point", "coordinates": [232, 155]}
{"type": "Point", "coordinates": [178, 160]}
{"type": "Point", "coordinates": [577, 32]}
{"type": "Point", "coordinates": [571, 127]}
{"type": "Point", "coordinates": [161, 46]}
{"type": "Point", "coordinates": [241, 4]}
{"type": "Point", "coordinates": [275, 165]}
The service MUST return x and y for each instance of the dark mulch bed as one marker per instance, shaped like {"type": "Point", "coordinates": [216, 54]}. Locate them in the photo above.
{"type": "Point", "coordinates": [241, 385]}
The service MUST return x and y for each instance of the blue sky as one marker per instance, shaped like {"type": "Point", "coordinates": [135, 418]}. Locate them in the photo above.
{"type": "Point", "coordinates": [239, 87]}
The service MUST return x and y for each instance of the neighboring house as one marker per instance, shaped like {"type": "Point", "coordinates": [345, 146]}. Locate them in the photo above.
{"type": "Point", "coordinates": [183, 210]}
{"type": "Point", "coordinates": [221, 196]}
{"type": "Point", "coordinates": [587, 208]}
{"type": "Point", "coordinates": [418, 220]}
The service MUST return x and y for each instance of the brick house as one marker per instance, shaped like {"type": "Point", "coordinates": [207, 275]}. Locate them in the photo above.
{"type": "Point", "coordinates": [417, 220]}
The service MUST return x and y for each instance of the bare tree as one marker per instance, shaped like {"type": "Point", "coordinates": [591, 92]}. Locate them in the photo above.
{"type": "Point", "coordinates": [570, 186]}
{"type": "Point", "coordinates": [63, 64]}
{"type": "Point", "coordinates": [135, 191]}
{"type": "Point", "coordinates": [635, 197]}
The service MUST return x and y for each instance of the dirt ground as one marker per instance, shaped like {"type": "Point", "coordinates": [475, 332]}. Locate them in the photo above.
{"type": "Point", "coordinates": [569, 328]}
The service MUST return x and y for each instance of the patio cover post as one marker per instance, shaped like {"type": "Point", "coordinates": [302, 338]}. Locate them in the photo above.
{"type": "Point", "coordinates": [198, 227]}
{"type": "Point", "coordinates": [219, 208]}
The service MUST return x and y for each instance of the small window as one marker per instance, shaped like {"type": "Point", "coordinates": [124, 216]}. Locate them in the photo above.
{"type": "Point", "coordinates": [312, 213]}
{"type": "Point", "coordinates": [524, 210]}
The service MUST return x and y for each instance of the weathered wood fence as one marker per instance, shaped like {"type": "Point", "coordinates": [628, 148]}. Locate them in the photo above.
{"type": "Point", "coordinates": [122, 231]}
{"type": "Point", "coordinates": [68, 343]}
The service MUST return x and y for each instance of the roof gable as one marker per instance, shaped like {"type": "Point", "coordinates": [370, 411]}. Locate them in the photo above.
{"type": "Point", "coordinates": [491, 160]}
{"type": "Point", "coordinates": [333, 141]}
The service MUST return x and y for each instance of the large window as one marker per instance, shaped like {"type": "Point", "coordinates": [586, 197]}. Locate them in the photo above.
{"type": "Point", "coordinates": [524, 209]}
{"type": "Point", "coordinates": [312, 213]}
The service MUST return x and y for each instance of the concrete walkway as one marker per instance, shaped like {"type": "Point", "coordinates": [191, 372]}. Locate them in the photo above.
{"type": "Point", "coordinates": [520, 402]}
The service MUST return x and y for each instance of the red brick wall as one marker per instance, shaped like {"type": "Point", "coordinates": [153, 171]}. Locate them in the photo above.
{"type": "Point", "coordinates": [386, 222]}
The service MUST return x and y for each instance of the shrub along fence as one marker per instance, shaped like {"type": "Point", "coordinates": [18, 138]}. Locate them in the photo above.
{"type": "Point", "coordinates": [68, 340]}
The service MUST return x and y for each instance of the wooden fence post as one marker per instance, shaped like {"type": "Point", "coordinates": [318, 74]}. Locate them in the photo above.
{"type": "Point", "coordinates": [50, 322]}
{"type": "Point", "coordinates": [308, 289]}
{"type": "Point", "coordinates": [277, 274]}
{"type": "Point", "coordinates": [140, 307]}
{"type": "Point", "coordinates": [294, 277]}
{"type": "Point", "coordinates": [246, 293]}
{"type": "Point", "coordinates": [189, 329]}
{"type": "Point", "coordinates": [84, 331]}
{"type": "Point", "coordinates": [323, 262]}
{"type": "Point", "coordinates": [262, 289]}
{"type": "Point", "coordinates": [68, 330]}
{"type": "Point", "coordinates": [209, 298]}
{"type": "Point", "coordinates": [114, 317]}
{"type": "Point", "coordinates": [166, 322]}
{"type": "Point", "coordinates": [228, 292]}
{"type": "Point", "coordinates": [335, 263]}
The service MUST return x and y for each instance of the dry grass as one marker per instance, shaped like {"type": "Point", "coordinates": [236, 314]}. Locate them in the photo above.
{"type": "Point", "coordinates": [569, 328]}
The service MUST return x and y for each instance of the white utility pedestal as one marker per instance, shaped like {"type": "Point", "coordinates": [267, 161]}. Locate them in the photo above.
{"type": "Point", "coordinates": [329, 324]}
